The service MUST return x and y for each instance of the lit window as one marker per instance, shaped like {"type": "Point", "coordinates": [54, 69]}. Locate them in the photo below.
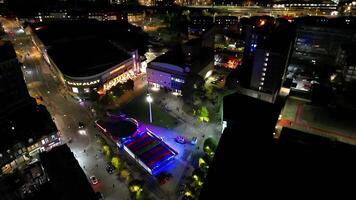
{"type": "Point", "coordinates": [86, 90]}
{"type": "Point", "coordinates": [261, 83]}
{"type": "Point", "coordinates": [264, 69]}
{"type": "Point", "coordinates": [265, 64]}
{"type": "Point", "coordinates": [262, 79]}
{"type": "Point", "coordinates": [266, 59]}
{"type": "Point", "coordinates": [260, 88]}
{"type": "Point", "coordinates": [267, 54]}
{"type": "Point", "coordinates": [263, 74]}
{"type": "Point", "coordinates": [75, 90]}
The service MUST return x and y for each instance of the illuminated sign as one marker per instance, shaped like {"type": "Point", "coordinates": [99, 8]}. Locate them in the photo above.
{"type": "Point", "coordinates": [83, 83]}
{"type": "Point", "coordinates": [119, 79]}
{"type": "Point", "coordinates": [117, 69]}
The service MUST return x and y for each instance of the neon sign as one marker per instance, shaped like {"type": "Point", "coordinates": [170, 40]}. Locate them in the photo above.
{"type": "Point", "coordinates": [83, 83]}
{"type": "Point", "coordinates": [117, 69]}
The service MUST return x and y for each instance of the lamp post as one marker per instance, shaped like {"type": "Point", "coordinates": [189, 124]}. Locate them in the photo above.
{"type": "Point", "coordinates": [149, 100]}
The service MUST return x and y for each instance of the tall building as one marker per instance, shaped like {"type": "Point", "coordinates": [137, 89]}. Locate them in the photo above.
{"type": "Point", "coordinates": [268, 42]}
{"type": "Point", "coordinates": [13, 90]}
{"type": "Point", "coordinates": [318, 51]}
{"type": "Point", "coordinates": [346, 59]}
{"type": "Point", "coordinates": [267, 70]}
{"type": "Point", "coordinates": [319, 38]}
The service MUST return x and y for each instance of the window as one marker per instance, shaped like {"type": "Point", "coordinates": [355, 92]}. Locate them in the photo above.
{"type": "Point", "coordinates": [264, 69]}
{"type": "Point", "coordinates": [75, 90]}
{"type": "Point", "coordinates": [261, 83]}
{"type": "Point", "coordinates": [262, 79]}
{"type": "Point", "coordinates": [260, 88]}
{"type": "Point", "coordinates": [263, 74]}
{"type": "Point", "coordinates": [267, 54]}
{"type": "Point", "coordinates": [266, 59]}
{"type": "Point", "coordinates": [265, 64]}
{"type": "Point", "coordinates": [86, 90]}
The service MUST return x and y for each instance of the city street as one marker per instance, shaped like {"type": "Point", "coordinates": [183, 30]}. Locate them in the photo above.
{"type": "Point", "coordinates": [66, 112]}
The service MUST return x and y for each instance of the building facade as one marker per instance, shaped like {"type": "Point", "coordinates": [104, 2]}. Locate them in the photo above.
{"type": "Point", "coordinates": [81, 87]}
{"type": "Point", "coordinates": [267, 70]}
{"type": "Point", "coordinates": [164, 75]}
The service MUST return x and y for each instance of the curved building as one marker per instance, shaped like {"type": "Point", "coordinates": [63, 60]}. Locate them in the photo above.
{"type": "Point", "coordinates": [88, 55]}
{"type": "Point", "coordinates": [92, 65]}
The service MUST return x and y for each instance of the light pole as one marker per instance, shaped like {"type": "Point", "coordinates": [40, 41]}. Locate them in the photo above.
{"type": "Point", "coordinates": [149, 100]}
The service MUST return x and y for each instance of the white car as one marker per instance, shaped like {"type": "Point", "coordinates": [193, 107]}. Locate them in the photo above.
{"type": "Point", "coordinates": [94, 180]}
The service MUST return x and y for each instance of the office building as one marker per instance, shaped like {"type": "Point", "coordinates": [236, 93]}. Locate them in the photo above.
{"type": "Point", "coordinates": [171, 69]}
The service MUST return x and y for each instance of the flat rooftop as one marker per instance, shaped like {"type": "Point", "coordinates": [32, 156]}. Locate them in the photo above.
{"type": "Point", "coordinates": [122, 33]}
{"type": "Point", "coordinates": [67, 179]}
{"type": "Point", "coordinates": [83, 58]}
{"type": "Point", "coordinates": [31, 121]}
{"type": "Point", "coordinates": [152, 151]}
{"type": "Point", "coordinates": [177, 57]}
{"type": "Point", "coordinates": [6, 51]}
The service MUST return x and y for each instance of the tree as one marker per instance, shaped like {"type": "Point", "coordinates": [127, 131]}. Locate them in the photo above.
{"type": "Point", "coordinates": [105, 99]}
{"type": "Point", "coordinates": [136, 188]}
{"type": "Point", "coordinates": [130, 84]}
{"type": "Point", "coordinates": [115, 161]}
{"type": "Point", "coordinates": [117, 90]}
{"type": "Point", "coordinates": [203, 114]}
{"type": "Point", "coordinates": [209, 145]}
{"type": "Point", "coordinates": [94, 96]}
{"type": "Point", "coordinates": [106, 151]}
{"type": "Point", "coordinates": [125, 174]}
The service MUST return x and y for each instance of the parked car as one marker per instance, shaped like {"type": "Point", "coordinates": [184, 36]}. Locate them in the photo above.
{"type": "Point", "coordinates": [180, 140]}
{"type": "Point", "coordinates": [194, 141]}
{"type": "Point", "coordinates": [94, 180]}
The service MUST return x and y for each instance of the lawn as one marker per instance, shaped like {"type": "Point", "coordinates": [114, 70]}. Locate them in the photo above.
{"type": "Point", "coordinates": [138, 109]}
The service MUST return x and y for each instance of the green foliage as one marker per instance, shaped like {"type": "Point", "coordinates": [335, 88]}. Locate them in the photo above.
{"type": "Point", "coordinates": [115, 161]}
{"type": "Point", "coordinates": [136, 188]}
{"type": "Point", "coordinates": [210, 143]}
{"type": "Point", "coordinates": [106, 151]}
{"type": "Point", "coordinates": [203, 114]}
{"type": "Point", "coordinates": [105, 100]}
{"type": "Point", "coordinates": [94, 96]}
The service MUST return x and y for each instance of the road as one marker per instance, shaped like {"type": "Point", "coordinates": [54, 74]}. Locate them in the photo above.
{"type": "Point", "coordinates": [66, 112]}
{"type": "Point", "coordinates": [248, 11]}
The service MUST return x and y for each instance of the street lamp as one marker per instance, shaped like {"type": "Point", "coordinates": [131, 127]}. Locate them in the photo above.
{"type": "Point", "coordinates": [149, 100]}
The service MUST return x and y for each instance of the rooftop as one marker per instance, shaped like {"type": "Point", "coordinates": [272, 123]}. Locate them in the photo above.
{"type": "Point", "coordinates": [198, 58]}
{"type": "Point", "coordinates": [125, 35]}
{"type": "Point", "coordinates": [88, 57]}
{"type": "Point", "coordinates": [248, 155]}
{"type": "Point", "coordinates": [6, 51]}
{"type": "Point", "coordinates": [67, 179]}
{"type": "Point", "coordinates": [31, 121]}
{"type": "Point", "coordinates": [345, 22]}
{"type": "Point", "coordinates": [151, 150]}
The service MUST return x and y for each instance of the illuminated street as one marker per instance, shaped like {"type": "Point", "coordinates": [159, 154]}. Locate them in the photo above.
{"type": "Point", "coordinates": [176, 99]}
